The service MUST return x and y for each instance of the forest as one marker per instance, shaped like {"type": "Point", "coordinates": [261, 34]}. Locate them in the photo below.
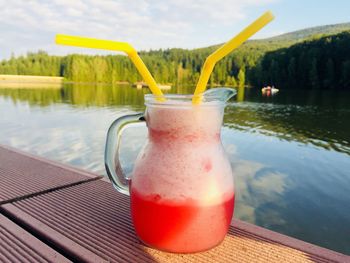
{"type": "Point", "coordinates": [319, 62]}
{"type": "Point", "coordinates": [314, 64]}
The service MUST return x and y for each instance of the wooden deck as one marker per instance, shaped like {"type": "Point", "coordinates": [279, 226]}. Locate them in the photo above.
{"type": "Point", "coordinates": [56, 213]}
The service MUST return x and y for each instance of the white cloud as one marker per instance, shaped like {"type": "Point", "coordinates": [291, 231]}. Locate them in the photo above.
{"type": "Point", "coordinates": [257, 186]}
{"type": "Point", "coordinates": [31, 25]}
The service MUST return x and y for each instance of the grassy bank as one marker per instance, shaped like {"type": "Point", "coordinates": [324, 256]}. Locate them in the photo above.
{"type": "Point", "coordinates": [24, 81]}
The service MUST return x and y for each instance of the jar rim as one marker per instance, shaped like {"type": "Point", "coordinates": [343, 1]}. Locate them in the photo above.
{"type": "Point", "coordinates": [182, 100]}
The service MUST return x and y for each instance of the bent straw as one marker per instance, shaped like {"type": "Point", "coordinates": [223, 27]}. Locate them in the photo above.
{"type": "Point", "coordinates": [116, 46]}
{"type": "Point", "coordinates": [224, 50]}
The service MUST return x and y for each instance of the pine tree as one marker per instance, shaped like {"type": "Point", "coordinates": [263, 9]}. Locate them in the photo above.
{"type": "Point", "coordinates": [329, 74]}
{"type": "Point", "coordinates": [241, 78]}
{"type": "Point", "coordinates": [292, 73]}
{"type": "Point", "coordinates": [345, 76]}
{"type": "Point", "coordinates": [313, 75]}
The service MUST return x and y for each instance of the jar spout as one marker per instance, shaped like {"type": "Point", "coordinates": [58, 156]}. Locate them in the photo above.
{"type": "Point", "coordinates": [219, 94]}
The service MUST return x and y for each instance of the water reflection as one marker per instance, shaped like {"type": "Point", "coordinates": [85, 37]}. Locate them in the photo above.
{"type": "Point", "coordinates": [36, 96]}
{"type": "Point", "coordinates": [82, 95]}
{"type": "Point", "coordinates": [291, 188]}
{"type": "Point", "coordinates": [256, 185]}
{"type": "Point", "coordinates": [326, 128]}
{"type": "Point", "coordinates": [307, 117]}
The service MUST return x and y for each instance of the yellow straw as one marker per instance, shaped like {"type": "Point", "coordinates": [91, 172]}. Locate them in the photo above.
{"type": "Point", "coordinates": [116, 46]}
{"type": "Point", "coordinates": [225, 49]}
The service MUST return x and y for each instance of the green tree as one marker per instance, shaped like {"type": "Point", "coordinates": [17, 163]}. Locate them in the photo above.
{"type": "Point", "coordinates": [274, 72]}
{"type": "Point", "coordinates": [241, 78]}
{"type": "Point", "coordinates": [345, 76]}
{"type": "Point", "coordinates": [314, 80]}
{"type": "Point", "coordinates": [329, 74]}
{"type": "Point", "coordinates": [321, 62]}
{"type": "Point", "coordinates": [230, 80]}
{"type": "Point", "coordinates": [292, 72]}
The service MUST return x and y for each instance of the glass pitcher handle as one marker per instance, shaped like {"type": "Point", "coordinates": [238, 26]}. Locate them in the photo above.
{"type": "Point", "coordinates": [112, 162]}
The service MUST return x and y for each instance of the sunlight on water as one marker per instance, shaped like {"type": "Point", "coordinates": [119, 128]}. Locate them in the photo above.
{"type": "Point", "coordinates": [289, 153]}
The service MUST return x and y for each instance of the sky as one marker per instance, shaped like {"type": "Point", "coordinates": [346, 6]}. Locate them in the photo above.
{"type": "Point", "coordinates": [31, 25]}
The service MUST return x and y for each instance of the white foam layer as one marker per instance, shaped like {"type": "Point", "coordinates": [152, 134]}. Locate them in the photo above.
{"type": "Point", "coordinates": [181, 170]}
{"type": "Point", "coordinates": [195, 120]}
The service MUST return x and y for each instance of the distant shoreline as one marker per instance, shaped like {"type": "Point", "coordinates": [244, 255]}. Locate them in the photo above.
{"type": "Point", "coordinates": [28, 81]}
{"type": "Point", "coordinates": [31, 81]}
{"type": "Point", "coordinates": [30, 78]}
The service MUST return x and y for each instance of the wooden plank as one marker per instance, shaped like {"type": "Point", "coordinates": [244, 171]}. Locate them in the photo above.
{"type": "Point", "coordinates": [97, 218]}
{"type": "Point", "coordinates": [17, 245]}
{"type": "Point", "coordinates": [23, 175]}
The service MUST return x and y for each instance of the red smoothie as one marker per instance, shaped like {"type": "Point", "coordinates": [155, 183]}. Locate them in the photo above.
{"type": "Point", "coordinates": [180, 226]}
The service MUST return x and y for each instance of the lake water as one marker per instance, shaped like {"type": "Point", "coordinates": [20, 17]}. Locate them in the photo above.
{"type": "Point", "coordinates": [290, 153]}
